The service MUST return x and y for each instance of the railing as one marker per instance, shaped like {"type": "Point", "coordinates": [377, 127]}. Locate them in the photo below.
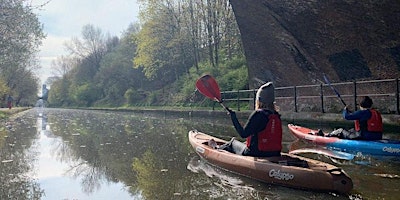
{"type": "Point", "coordinates": [321, 98]}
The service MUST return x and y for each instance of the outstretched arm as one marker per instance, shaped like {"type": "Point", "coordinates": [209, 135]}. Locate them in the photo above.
{"type": "Point", "coordinates": [352, 116]}
{"type": "Point", "coordinates": [256, 123]}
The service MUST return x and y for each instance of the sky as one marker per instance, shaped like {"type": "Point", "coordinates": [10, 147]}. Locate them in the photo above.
{"type": "Point", "coordinates": [63, 19]}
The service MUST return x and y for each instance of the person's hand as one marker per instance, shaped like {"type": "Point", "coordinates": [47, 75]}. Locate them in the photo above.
{"type": "Point", "coordinates": [231, 113]}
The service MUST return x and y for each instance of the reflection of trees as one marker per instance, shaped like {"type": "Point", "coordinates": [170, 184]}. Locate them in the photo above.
{"type": "Point", "coordinates": [83, 160]}
{"type": "Point", "coordinates": [91, 176]}
{"type": "Point", "coordinates": [102, 147]}
{"type": "Point", "coordinates": [149, 175]}
{"type": "Point", "coordinates": [156, 178]}
{"type": "Point", "coordinates": [16, 164]}
{"type": "Point", "coordinates": [92, 149]}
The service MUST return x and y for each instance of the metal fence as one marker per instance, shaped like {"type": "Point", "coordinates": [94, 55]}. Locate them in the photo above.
{"type": "Point", "coordinates": [321, 98]}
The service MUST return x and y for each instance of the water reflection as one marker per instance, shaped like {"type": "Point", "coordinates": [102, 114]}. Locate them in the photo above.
{"type": "Point", "coordinates": [16, 180]}
{"type": "Point", "coordinates": [70, 164]}
{"type": "Point", "coordinates": [77, 154]}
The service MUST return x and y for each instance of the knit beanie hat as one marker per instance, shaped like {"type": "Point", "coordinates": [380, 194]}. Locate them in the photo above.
{"type": "Point", "coordinates": [266, 93]}
{"type": "Point", "coordinates": [366, 102]}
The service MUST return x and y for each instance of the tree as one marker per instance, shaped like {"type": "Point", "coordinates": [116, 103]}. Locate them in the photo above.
{"type": "Point", "coordinates": [20, 36]}
{"type": "Point", "coordinates": [177, 35]}
{"type": "Point", "coordinates": [90, 50]}
{"type": "Point", "coordinates": [163, 48]}
{"type": "Point", "coordinates": [116, 74]}
{"type": "Point", "coordinates": [174, 36]}
{"type": "Point", "coordinates": [59, 94]}
{"type": "Point", "coordinates": [62, 65]}
{"type": "Point", "coordinates": [81, 67]}
{"type": "Point", "coordinates": [26, 91]}
{"type": "Point", "coordinates": [20, 32]}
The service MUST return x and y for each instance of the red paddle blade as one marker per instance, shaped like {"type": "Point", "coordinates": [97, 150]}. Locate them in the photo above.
{"type": "Point", "coordinates": [209, 87]}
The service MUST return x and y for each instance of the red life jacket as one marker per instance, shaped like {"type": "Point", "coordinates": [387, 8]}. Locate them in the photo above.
{"type": "Point", "coordinates": [269, 139]}
{"type": "Point", "coordinates": [374, 124]}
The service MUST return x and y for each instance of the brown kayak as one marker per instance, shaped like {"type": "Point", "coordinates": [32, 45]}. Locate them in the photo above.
{"type": "Point", "coordinates": [286, 170]}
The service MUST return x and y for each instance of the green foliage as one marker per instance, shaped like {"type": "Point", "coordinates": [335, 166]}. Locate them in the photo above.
{"type": "Point", "coordinates": [132, 96]}
{"type": "Point", "coordinates": [231, 75]}
{"type": "Point", "coordinates": [169, 52]}
{"type": "Point", "coordinates": [86, 94]}
{"type": "Point", "coordinates": [148, 170]}
{"type": "Point", "coordinates": [152, 98]}
{"type": "Point", "coordinates": [59, 93]}
{"type": "Point", "coordinates": [187, 90]}
{"type": "Point", "coordinates": [20, 37]}
{"type": "Point", "coordinates": [4, 90]}
{"type": "Point", "coordinates": [234, 75]}
{"type": "Point", "coordinates": [162, 47]}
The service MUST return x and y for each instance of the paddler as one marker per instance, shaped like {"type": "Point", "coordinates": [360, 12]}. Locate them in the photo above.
{"type": "Point", "coordinates": [368, 123]}
{"type": "Point", "coordinates": [263, 130]}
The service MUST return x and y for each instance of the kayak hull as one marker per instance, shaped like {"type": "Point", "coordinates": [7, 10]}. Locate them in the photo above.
{"type": "Point", "coordinates": [286, 170]}
{"type": "Point", "coordinates": [376, 148]}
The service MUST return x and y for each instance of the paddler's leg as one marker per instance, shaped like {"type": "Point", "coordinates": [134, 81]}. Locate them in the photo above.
{"type": "Point", "coordinates": [212, 144]}
{"type": "Point", "coordinates": [351, 134]}
{"type": "Point", "coordinates": [335, 133]}
{"type": "Point", "coordinates": [227, 146]}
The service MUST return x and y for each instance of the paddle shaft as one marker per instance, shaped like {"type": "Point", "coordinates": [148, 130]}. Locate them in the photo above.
{"type": "Point", "coordinates": [337, 93]}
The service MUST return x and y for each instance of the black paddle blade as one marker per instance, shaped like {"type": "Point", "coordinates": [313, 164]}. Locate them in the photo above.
{"type": "Point", "coordinates": [208, 86]}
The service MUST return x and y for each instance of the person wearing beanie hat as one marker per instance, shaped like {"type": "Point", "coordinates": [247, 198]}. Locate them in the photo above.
{"type": "Point", "coordinates": [266, 93]}
{"type": "Point", "coordinates": [263, 129]}
{"type": "Point", "coordinates": [368, 123]}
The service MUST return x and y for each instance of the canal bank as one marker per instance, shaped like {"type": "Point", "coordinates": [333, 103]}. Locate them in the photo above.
{"type": "Point", "coordinates": [391, 121]}
{"type": "Point", "coordinates": [5, 113]}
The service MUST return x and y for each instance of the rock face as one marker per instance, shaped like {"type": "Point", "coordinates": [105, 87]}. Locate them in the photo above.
{"type": "Point", "coordinates": [293, 42]}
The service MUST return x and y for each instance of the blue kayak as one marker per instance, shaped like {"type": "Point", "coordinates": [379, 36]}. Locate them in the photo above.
{"type": "Point", "coordinates": [375, 148]}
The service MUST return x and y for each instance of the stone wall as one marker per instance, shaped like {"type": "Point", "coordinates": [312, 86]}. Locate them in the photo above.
{"type": "Point", "coordinates": [295, 42]}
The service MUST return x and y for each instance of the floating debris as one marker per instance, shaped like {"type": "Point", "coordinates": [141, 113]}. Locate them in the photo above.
{"type": "Point", "coordinates": [6, 161]}
{"type": "Point", "coordinates": [164, 170]}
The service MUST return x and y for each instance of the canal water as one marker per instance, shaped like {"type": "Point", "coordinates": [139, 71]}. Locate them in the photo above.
{"type": "Point", "coordinates": [80, 154]}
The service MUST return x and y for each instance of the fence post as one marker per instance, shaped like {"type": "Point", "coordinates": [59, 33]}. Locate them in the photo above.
{"type": "Point", "coordinates": [322, 99]}
{"type": "Point", "coordinates": [254, 99]}
{"type": "Point", "coordinates": [355, 95]}
{"type": "Point", "coordinates": [397, 96]}
{"type": "Point", "coordinates": [295, 98]}
{"type": "Point", "coordinates": [238, 102]}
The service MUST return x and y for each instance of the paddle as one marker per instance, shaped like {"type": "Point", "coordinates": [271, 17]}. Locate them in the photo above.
{"type": "Point", "coordinates": [324, 151]}
{"type": "Point", "coordinates": [337, 93]}
{"type": "Point", "coordinates": [208, 86]}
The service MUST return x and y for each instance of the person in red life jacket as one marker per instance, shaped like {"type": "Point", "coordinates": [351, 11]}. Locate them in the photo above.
{"type": "Point", "coordinates": [367, 123]}
{"type": "Point", "coordinates": [263, 130]}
